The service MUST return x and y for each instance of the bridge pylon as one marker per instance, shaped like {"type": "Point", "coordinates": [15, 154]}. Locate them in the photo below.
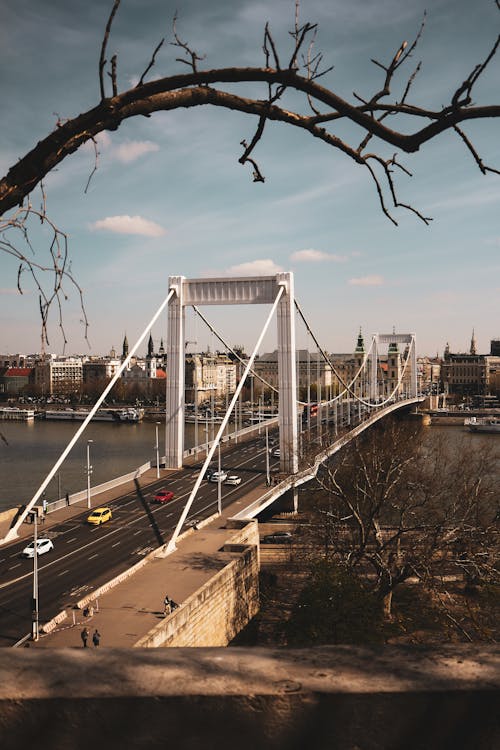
{"type": "Point", "coordinates": [232, 291]}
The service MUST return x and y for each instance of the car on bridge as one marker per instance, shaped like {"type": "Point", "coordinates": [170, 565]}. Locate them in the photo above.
{"type": "Point", "coordinates": [42, 546]}
{"type": "Point", "coordinates": [99, 516]}
{"type": "Point", "coordinates": [218, 476]}
{"type": "Point", "coordinates": [233, 479]}
{"type": "Point", "coordinates": [163, 496]}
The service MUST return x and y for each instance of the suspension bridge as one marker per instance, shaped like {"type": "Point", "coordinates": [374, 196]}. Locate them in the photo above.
{"type": "Point", "coordinates": [352, 405]}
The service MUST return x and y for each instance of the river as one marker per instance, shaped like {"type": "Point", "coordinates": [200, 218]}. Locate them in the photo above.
{"type": "Point", "coordinates": [32, 449]}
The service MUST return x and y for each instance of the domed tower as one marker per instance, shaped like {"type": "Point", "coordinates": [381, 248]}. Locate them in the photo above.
{"type": "Point", "coordinates": [151, 359]}
{"type": "Point", "coordinates": [359, 356]}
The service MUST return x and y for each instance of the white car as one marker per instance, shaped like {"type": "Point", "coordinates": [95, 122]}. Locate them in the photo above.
{"type": "Point", "coordinates": [233, 479]}
{"type": "Point", "coordinates": [275, 452]}
{"type": "Point", "coordinates": [218, 476]}
{"type": "Point", "coordinates": [43, 546]}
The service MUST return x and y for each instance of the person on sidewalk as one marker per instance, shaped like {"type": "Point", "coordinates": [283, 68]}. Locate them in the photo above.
{"type": "Point", "coordinates": [96, 638]}
{"type": "Point", "coordinates": [84, 635]}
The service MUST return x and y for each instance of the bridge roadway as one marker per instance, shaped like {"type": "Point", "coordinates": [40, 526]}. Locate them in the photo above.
{"type": "Point", "coordinates": [86, 557]}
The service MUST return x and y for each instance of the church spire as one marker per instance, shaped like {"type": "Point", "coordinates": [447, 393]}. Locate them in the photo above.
{"type": "Point", "coordinates": [125, 347]}
{"type": "Point", "coordinates": [473, 344]}
{"type": "Point", "coordinates": [150, 347]}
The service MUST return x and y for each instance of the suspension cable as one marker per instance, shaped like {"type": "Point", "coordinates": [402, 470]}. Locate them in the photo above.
{"type": "Point", "coordinates": [348, 386]}
{"type": "Point", "coordinates": [12, 533]}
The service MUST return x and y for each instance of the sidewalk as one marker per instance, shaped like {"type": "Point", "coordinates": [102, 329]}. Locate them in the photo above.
{"type": "Point", "coordinates": [132, 608]}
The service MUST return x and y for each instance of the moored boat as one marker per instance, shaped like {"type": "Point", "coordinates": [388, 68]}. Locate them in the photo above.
{"type": "Point", "coordinates": [483, 424]}
{"type": "Point", "coordinates": [101, 415]}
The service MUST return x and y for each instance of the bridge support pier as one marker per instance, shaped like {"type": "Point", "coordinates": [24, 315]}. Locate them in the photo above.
{"type": "Point", "coordinates": [289, 502]}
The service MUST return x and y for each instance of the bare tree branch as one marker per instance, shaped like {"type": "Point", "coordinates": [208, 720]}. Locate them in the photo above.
{"type": "Point", "coordinates": [102, 58]}
{"type": "Point", "coordinates": [199, 88]}
{"type": "Point", "coordinates": [151, 62]}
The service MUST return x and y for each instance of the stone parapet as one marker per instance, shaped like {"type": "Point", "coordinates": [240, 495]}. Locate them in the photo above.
{"type": "Point", "coordinates": [330, 698]}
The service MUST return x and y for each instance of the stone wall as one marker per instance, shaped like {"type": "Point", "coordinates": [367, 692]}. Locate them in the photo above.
{"type": "Point", "coordinates": [217, 611]}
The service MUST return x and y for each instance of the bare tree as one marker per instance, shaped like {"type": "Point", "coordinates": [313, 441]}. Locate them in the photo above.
{"type": "Point", "coordinates": [388, 511]}
{"type": "Point", "coordinates": [299, 71]}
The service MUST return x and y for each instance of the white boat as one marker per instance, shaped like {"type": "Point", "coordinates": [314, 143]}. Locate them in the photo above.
{"type": "Point", "coordinates": [101, 415]}
{"type": "Point", "coordinates": [18, 415]}
{"type": "Point", "coordinates": [483, 424]}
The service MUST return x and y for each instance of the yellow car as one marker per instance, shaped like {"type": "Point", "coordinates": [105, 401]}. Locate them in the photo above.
{"type": "Point", "coordinates": [99, 515]}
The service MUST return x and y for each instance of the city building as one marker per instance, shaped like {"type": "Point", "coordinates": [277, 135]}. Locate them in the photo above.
{"type": "Point", "coordinates": [209, 376]}
{"type": "Point", "coordinates": [471, 375]}
{"type": "Point", "coordinates": [15, 380]}
{"type": "Point", "coordinates": [58, 375]}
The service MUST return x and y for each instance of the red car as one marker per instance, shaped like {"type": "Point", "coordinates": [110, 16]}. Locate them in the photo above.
{"type": "Point", "coordinates": [163, 496]}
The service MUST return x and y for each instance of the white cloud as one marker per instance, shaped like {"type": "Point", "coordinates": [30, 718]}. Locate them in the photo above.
{"type": "Point", "coordinates": [129, 225]}
{"type": "Point", "coordinates": [125, 152]}
{"type": "Point", "coordinates": [315, 256]}
{"type": "Point", "coordinates": [132, 150]}
{"type": "Point", "coordinates": [374, 280]}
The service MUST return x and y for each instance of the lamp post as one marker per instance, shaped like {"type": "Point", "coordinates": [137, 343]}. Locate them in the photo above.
{"type": "Point", "coordinates": [219, 486]}
{"type": "Point", "coordinates": [268, 477]}
{"type": "Point", "coordinates": [157, 448]}
{"type": "Point", "coordinates": [34, 603]}
{"type": "Point", "coordinates": [89, 472]}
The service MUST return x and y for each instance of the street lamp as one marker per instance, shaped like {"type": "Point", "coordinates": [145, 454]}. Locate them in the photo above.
{"type": "Point", "coordinates": [89, 472]}
{"type": "Point", "coordinates": [268, 477]}
{"type": "Point", "coordinates": [157, 448]}
{"type": "Point", "coordinates": [219, 487]}
{"type": "Point", "coordinates": [34, 601]}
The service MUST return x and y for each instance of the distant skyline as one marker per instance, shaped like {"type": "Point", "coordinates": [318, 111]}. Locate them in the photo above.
{"type": "Point", "coordinates": [169, 197]}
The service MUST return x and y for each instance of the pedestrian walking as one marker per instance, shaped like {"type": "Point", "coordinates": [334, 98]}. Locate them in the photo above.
{"type": "Point", "coordinates": [67, 499]}
{"type": "Point", "coordinates": [84, 635]}
{"type": "Point", "coordinates": [96, 638]}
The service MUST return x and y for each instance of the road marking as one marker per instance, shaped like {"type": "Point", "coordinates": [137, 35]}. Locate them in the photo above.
{"type": "Point", "coordinates": [13, 567]}
{"type": "Point", "coordinates": [115, 544]}
{"type": "Point", "coordinates": [137, 532]}
{"type": "Point", "coordinates": [63, 573]}
{"type": "Point", "coordinates": [73, 539]}
{"type": "Point", "coordinates": [92, 557]}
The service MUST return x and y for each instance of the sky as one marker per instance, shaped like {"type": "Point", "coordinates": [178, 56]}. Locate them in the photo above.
{"type": "Point", "coordinates": [170, 198]}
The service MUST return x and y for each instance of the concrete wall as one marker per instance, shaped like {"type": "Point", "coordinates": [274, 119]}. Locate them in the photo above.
{"type": "Point", "coordinates": [330, 698]}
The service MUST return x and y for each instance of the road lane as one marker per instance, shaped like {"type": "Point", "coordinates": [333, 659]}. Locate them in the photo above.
{"type": "Point", "coordinates": [86, 557]}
